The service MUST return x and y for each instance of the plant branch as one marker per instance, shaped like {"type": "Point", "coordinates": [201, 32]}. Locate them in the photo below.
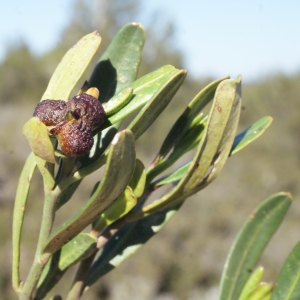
{"type": "Point", "coordinates": [84, 267]}
{"type": "Point", "coordinates": [40, 259]}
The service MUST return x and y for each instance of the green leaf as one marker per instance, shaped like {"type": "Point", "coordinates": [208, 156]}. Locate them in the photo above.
{"type": "Point", "coordinates": [118, 101]}
{"type": "Point", "coordinates": [94, 159]}
{"type": "Point", "coordinates": [262, 292]}
{"type": "Point", "coordinates": [176, 176]}
{"type": "Point", "coordinates": [118, 66]}
{"type": "Point", "coordinates": [190, 140]}
{"type": "Point", "coordinates": [71, 67]}
{"type": "Point", "coordinates": [126, 242]}
{"type": "Point", "coordinates": [144, 90]}
{"type": "Point", "coordinates": [158, 103]}
{"type": "Point", "coordinates": [138, 180]}
{"type": "Point", "coordinates": [180, 127]}
{"type": "Point", "coordinates": [116, 69]}
{"type": "Point", "coordinates": [36, 134]}
{"type": "Point", "coordinates": [212, 151]}
{"type": "Point", "coordinates": [250, 243]}
{"type": "Point", "coordinates": [218, 137]}
{"type": "Point", "coordinates": [250, 134]}
{"type": "Point", "coordinates": [124, 204]}
{"type": "Point", "coordinates": [187, 143]}
{"type": "Point", "coordinates": [79, 248]}
{"type": "Point", "coordinates": [18, 216]}
{"type": "Point", "coordinates": [227, 102]}
{"type": "Point", "coordinates": [288, 283]}
{"type": "Point", "coordinates": [64, 79]}
{"type": "Point", "coordinates": [67, 194]}
{"type": "Point", "coordinates": [118, 172]}
{"type": "Point", "coordinates": [252, 283]}
{"type": "Point", "coordinates": [241, 140]}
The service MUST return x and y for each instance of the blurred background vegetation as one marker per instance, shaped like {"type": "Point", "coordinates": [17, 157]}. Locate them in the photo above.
{"type": "Point", "coordinates": [185, 260]}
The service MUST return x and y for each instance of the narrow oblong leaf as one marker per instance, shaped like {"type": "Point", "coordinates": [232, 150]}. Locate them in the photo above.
{"type": "Point", "coordinates": [93, 160]}
{"type": "Point", "coordinates": [241, 140]}
{"type": "Point", "coordinates": [288, 283]}
{"type": "Point", "coordinates": [18, 216]}
{"type": "Point", "coordinates": [144, 89]}
{"type": "Point", "coordinates": [118, 172]}
{"type": "Point", "coordinates": [262, 292]}
{"type": "Point", "coordinates": [79, 248]}
{"type": "Point", "coordinates": [71, 67]}
{"type": "Point", "coordinates": [250, 243]}
{"type": "Point", "coordinates": [124, 204]}
{"type": "Point", "coordinates": [189, 142]}
{"type": "Point", "coordinates": [252, 282]}
{"type": "Point", "coordinates": [218, 136]}
{"type": "Point", "coordinates": [118, 101]}
{"type": "Point", "coordinates": [193, 109]}
{"type": "Point", "coordinates": [116, 69]}
{"type": "Point", "coordinates": [138, 180]}
{"type": "Point", "coordinates": [36, 134]}
{"type": "Point", "coordinates": [157, 104]}
{"type": "Point", "coordinates": [66, 75]}
{"type": "Point", "coordinates": [250, 134]}
{"type": "Point", "coordinates": [76, 250]}
{"type": "Point", "coordinates": [186, 144]}
{"type": "Point", "coordinates": [176, 176]}
{"type": "Point", "coordinates": [118, 66]}
{"type": "Point", "coordinates": [126, 242]}
{"type": "Point", "coordinates": [212, 151]}
{"type": "Point", "coordinates": [67, 194]}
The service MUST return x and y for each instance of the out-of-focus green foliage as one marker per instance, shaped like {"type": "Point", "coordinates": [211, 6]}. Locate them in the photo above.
{"type": "Point", "coordinates": [253, 237]}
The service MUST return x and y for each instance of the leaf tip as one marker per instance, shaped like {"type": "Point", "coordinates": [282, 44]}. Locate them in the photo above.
{"type": "Point", "coordinates": [115, 139]}
{"type": "Point", "coordinates": [287, 194]}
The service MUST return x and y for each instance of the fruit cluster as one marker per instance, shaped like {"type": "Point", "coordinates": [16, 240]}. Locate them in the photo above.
{"type": "Point", "coordinates": [72, 122]}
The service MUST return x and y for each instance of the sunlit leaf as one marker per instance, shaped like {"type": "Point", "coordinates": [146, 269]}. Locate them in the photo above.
{"type": "Point", "coordinates": [71, 67]}
{"type": "Point", "coordinates": [118, 101]}
{"type": "Point", "coordinates": [118, 172]}
{"type": "Point", "coordinates": [144, 89]}
{"type": "Point", "coordinates": [252, 282]}
{"type": "Point", "coordinates": [118, 66]}
{"type": "Point", "coordinates": [116, 69]}
{"type": "Point", "coordinates": [263, 291]}
{"type": "Point", "coordinates": [79, 248]}
{"type": "Point", "coordinates": [126, 242]}
{"type": "Point", "coordinates": [138, 180]}
{"type": "Point", "coordinates": [19, 211]}
{"type": "Point", "coordinates": [125, 203]}
{"type": "Point", "coordinates": [179, 128]}
{"type": "Point", "coordinates": [212, 151]}
{"type": "Point", "coordinates": [250, 134]}
{"type": "Point", "coordinates": [36, 134]}
{"type": "Point", "coordinates": [158, 103]}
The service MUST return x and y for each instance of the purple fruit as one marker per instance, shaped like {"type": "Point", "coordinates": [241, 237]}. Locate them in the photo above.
{"type": "Point", "coordinates": [72, 122]}
{"type": "Point", "coordinates": [51, 112]}
{"type": "Point", "coordinates": [88, 108]}
{"type": "Point", "coordinates": [75, 138]}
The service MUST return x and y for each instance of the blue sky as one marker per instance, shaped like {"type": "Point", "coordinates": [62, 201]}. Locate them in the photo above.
{"type": "Point", "coordinates": [221, 37]}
